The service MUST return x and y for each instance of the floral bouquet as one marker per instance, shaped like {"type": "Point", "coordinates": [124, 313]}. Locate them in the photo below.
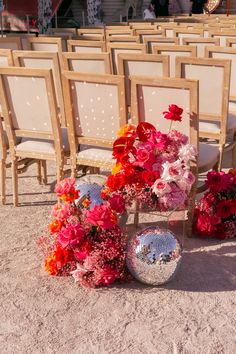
{"type": "Point", "coordinates": [152, 168]}
{"type": "Point", "coordinates": [215, 213]}
{"type": "Point", "coordinates": [87, 244]}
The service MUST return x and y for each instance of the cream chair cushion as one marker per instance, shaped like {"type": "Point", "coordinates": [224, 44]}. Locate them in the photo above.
{"type": "Point", "coordinates": [208, 156]}
{"type": "Point", "coordinates": [214, 127]}
{"type": "Point", "coordinates": [96, 155]}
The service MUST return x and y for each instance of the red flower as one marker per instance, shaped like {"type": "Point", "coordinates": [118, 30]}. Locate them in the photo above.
{"type": "Point", "coordinates": [55, 226]}
{"type": "Point", "coordinates": [174, 113]}
{"type": "Point", "coordinates": [106, 275]}
{"type": "Point", "coordinates": [149, 177]}
{"type": "Point", "coordinates": [83, 251]}
{"type": "Point", "coordinates": [122, 148]}
{"type": "Point", "coordinates": [206, 224]}
{"type": "Point", "coordinates": [145, 130]}
{"type": "Point", "coordinates": [225, 208]}
{"type": "Point", "coordinates": [219, 181]}
{"type": "Point", "coordinates": [117, 203]}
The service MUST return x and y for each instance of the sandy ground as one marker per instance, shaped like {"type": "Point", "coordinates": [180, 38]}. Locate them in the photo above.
{"type": "Point", "coordinates": [195, 313]}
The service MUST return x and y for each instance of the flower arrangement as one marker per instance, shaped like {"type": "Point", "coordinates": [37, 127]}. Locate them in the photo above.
{"type": "Point", "coordinates": [151, 168]}
{"type": "Point", "coordinates": [85, 243]}
{"type": "Point", "coordinates": [215, 213]}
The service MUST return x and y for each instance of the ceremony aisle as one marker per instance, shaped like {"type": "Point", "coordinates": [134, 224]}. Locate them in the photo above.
{"type": "Point", "coordinates": [194, 313]}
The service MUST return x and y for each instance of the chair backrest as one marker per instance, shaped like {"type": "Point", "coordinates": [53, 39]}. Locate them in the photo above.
{"type": "Point", "coordinates": [23, 38]}
{"type": "Point", "coordinates": [29, 106]}
{"type": "Point", "coordinates": [222, 35]}
{"type": "Point", "coordinates": [13, 43]}
{"type": "Point", "coordinates": [119, 32]}
{"type": "Point", "coordinates": [174, 51]}
{"type": "Point", "coordinates": [150, 97]}
{"type": "Point", "coordinates": [6, 57]}
{"type": "Point", "coordinates": [117, 48]}
{"type": "Point", "coordinates": [150, 42]}
{"type": "Point", "coordinates": [168, 28]}
{"type": "Point", "coordinates": [225, 53]}
{"type": "Point", "coordinates": [82, 46]}
{"type": "Point", "coordinates": [44, 60]}
{"type": "Point", "coordinates": [201, 43]}
{"type": "Point", "coordinates": [230, 42]}
{"type": "Point", "coordinates": [71, 32]}
{"type": "Point", "coordinates": [97, 63]}
{"type": "Point", "coordinates": [214, 83]}
{"type": "Point", "coordinates": [125, 39]}
{"type": "Point", "coordinates": [91, 32]}
{"type": "Point", "coordinates": [183, 33]}
{"type": "Point", "coordinates": [148, 65]}
{"type": "Point", "coordinates": [46, 44]}
{"type": "Point", "coordinates": [149, 34]}
{"type": "Point", "coordinates": [95, 108]}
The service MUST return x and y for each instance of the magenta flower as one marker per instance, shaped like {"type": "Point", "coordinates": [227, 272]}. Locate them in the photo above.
{"type": "Point", "coordinates": [71, 235]}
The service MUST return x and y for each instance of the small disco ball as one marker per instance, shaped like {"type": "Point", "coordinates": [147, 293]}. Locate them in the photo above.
{"type": "Point", "coordinates": [92, 192]}
{"type": "Point", "coordinates": [154, 255]}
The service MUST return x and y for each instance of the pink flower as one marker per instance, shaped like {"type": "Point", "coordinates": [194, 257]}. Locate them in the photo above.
{"type": "Point", "coordinates": [83, 251]}
{"type": "Point", "coordinates": [117, 203]}
{"type": "Point", "coordinates": [172, 171]}
{"type": "Point", "coordinates": [187, 153]}
{"type": "Point", "coordinates": [177, 137]}
{"type": "Point", "coordinates": [61, 211]}
{"type": "Point", "coordinates": [101, 216]}
{"type": "Point", "coordinates": [71, 235]}
{"type": "Point", "coordinates": [161, 187]}
{"type": "Point", "coordinates": [106, 275]}
{"type": "Point", "coordinates": [174, 113]}
{"type": "Point", "coordinates": [66, 191]}
{"type": "Point", "coordinates": [187, 180]}
{"type": "Point", "coordinates": [175, 199]}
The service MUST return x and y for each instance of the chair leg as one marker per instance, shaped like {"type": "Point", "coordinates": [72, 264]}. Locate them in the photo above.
{"type": "Point", "coordinates": [60, 172]}
{"type": "Point", "coordinates": [14, 182]}
{"type": "Point", "coordinates": [221, 157]}
{"type": "Point", "coordinates": [39, 167]}
{"type": "Point", "coordinates": [44, 169]}
{"type": "Point", "coordinates": [2, 182]}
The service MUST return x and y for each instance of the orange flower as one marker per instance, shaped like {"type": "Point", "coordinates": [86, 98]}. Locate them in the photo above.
{"type": "Point", "coordinates": [116, 168]}
{"type": "Point", "coordinates": [86, 202]}
{"type": "Point", "coordinates": [70, 197]}
{"type": "Point", "coordinates": [51, 264]}
{"type": "Point", "coordinates": [55, 226]}
{"type": "Point", "coordinates": [128, 130]}
{"type": "Point", "coordinates": [232, 171]}
{"type": "Point", "coordinates": [104, 193]}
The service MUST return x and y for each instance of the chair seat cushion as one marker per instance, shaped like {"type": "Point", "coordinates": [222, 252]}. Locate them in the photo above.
{"type": "Point", "coordinates": [41, 146]}
{"type": "Point", "coordinates": [208, 156]}
{"type": "Point", "coordinates": [214, 127]}
{"type": "Point", "coordinates": [99, 156]}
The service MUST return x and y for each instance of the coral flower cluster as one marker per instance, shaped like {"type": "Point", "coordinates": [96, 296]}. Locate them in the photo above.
{"type": "Point", "coordinates": [215, 213]}
{"type": "Point", "coordinates": [152, 168]}
{"type": "Point", "coordinates": [85, 243]}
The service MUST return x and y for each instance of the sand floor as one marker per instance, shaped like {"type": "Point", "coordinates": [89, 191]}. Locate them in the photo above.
{"type": "Point", "coordinates": [195, 313]}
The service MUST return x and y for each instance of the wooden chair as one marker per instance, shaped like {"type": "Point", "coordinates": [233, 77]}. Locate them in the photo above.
{"type": "Point", "coordinates": [148, 65]}
{"type": "Point", "coordinates": [99, 31]}
{"type": "Point", "coordinates": [151, 96]}
{"type": "Point", "coordinates": [23, 39]}
{"type": "Point", "coordinates": [123, 39]}
{"type": "Point", "coordinates": [13, 43]}
{"type": "Point", "coordinates": [3, 158]}
{"type": "Point", "coordinates": [119, 32]}
{"type": "Point", "coordinates": [44, 60]}
{"type": "Point", "coordinates": [82, 46]}
{"type": "Point", "coordinates": [183, 33]}
{"type": "Point", "coordinates": [95, 110]}
{"type": "Point", "coordinates": [117, 48]}
{"type": "Point", "coordinates": [6, 57]}
{"type": "Point", "coordinates": [71, 32]}
{"type": "Point", "coordinates": [214, 84]}
{"type": "Point", "coordinates": [230, 42]}
{"type": "Point", "coordinates": [222, 35]}
{"type": "Point", "coordinates": [97, 63]}
{"type": "Point", "coordinates": [47, 44]}
{"type": "Point", "coordinates": [201, 43]}
{"type": "Point", "coordinates": [173, 51]}
{"type": "Point", "coordinates": [149, 34]}
{"type": "Point", "coordinates": [150, 42]}
{"type": "Point", "coordinates": [30, 112]}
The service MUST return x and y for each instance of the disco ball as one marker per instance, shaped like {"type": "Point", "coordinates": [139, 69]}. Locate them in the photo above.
{"type": "Point", "coordinates": [92, 192]}
{"type": "Point", "coordinates": [154, 255]}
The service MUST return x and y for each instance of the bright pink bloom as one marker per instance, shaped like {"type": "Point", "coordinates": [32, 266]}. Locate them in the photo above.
{"type": "Point", "coordinates": [175, 199]}
{"type": "Point", "coordinates": [101, 216]}
{"type": "Point", "coordinates": [71, 235]}
{"type": "Point", "coordinates": [61, 211]}
{"type": "Point", "coordinates": [219, 181]}
{"type": "Point", "coordinates": [117, 203]}
{"type": "Point", "coordinates": [106, 275]}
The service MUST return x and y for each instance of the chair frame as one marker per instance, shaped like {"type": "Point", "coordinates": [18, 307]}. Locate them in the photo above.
{"type": "Point", "coordinates": [77, 140]}
{"type": "Point", "coordinates": [16, 40]}
{"type": "Point", "coordinates": [66, 57]}
{"type": "Point", "coordinates": [72, 43]}
{"type": "Point", "coordinates": [12, 133]}
{"type": "Point", "coordinates": [8, 54]}
{"type": "Point", "coordinates": [230, 41]}
{"type": "Point", "coordinates": [192, 86]}
{"type": "Point", "coordinates": [45, 40]}
{"type": "Point", "coordinates": [18, 55]}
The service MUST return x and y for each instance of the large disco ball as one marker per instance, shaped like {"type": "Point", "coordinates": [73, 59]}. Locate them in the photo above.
{"type": "Point", "coordinates": [154, 255]}
{"type": "Point", "coordinates": [92, 192]}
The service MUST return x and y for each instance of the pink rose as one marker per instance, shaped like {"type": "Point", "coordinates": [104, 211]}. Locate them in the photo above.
{"type": "Point", "coordinates": [117, 203]}
{"type": "Point", "coordinates": [172, 171]}
{"type": "Point", "coordinates": [161, 187]}
{"type": "Point", "coordinates": [71, 235]}
{"type": "Point", "coordinates": [187, 153]}
{"type": "Point", "coordinates": [101, 216]}
{"type": "Point", "coordinates": [175, 199]}
{"type": "Point", "coordinates": [61, 211]}
{"type": "Point", "coordinates": [65, 186]}
{"type": "Point", "coordinates": [187, 180]}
